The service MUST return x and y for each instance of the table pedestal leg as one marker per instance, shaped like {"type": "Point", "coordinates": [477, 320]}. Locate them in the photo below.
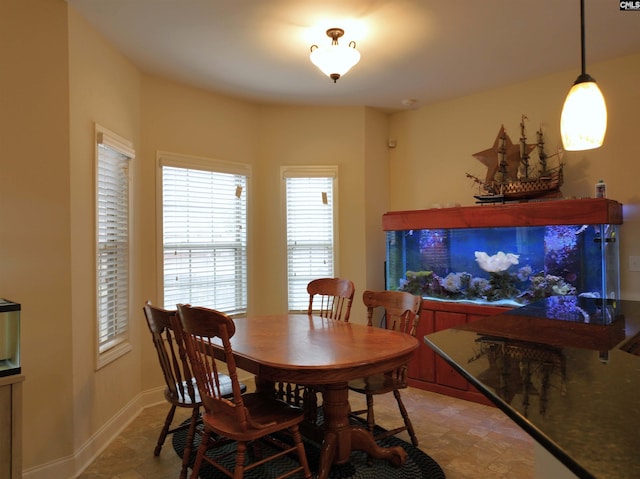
{"type": "Point", "coordinates": [340, 438]}
{"type": "Point", "coordinates": [264, 385]}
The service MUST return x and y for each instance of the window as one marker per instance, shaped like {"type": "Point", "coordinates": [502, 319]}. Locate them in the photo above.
{"type": "Point", "coordinates": [114, 155]}
{"type": "Point", "coordinates": [310, 202]}
{"type": "Point", "coordinates": [204, 233]}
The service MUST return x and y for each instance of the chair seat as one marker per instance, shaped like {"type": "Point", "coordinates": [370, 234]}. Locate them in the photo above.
{"type": "Point", "coordinates": [376, 384]}
{"type": "Point", "coordinates": [184, 400]}
{"type": "Point", "coordinates": [273, 414]}
{"type": "Point", "coordinates": [187, 401]}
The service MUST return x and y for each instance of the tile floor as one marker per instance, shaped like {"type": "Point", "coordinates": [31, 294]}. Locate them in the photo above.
{"type": "Point", "coordinates": [468, 440]}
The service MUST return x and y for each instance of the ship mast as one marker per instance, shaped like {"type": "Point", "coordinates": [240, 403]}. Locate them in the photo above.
{"type": "Point", "coordinates": [541, 153]}
{"type": "Point", "coordinates": [524, 151]}
{"type": "Point", "coordinates": [502, 159]}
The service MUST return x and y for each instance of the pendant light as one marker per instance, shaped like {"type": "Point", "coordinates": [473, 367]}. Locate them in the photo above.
{"type": "Point", "coordinates": [583, 123]}
{"type": "Point", "coordinates": [334, 60]}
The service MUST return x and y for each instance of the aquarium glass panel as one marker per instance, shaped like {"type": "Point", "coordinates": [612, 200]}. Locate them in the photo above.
{"type": "Point", "coordinates": [505, 266]}
{"type": "Point", "coordinates": [9, 338]}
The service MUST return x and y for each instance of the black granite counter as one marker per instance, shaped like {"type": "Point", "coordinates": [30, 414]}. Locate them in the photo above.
{"type": "Point", "coordinates": [567, 371]}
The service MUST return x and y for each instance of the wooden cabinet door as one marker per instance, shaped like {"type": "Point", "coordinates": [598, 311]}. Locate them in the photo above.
{"type": "Point", "coordinates": [422, 366]}
{"type": "Point", "coordinates": [5, 432]}
{"type": "Point", "coordinates": [429, 371]}
{"type": "Point", "coordinates": [445, 374]}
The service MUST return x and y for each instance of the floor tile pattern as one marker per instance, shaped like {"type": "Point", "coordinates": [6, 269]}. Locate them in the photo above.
{"type": "Point", "coordinates": [468, 440]}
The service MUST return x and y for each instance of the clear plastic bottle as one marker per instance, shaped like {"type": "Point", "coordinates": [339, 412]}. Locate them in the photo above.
{"type": "Point", "coordinates": [601, 189]}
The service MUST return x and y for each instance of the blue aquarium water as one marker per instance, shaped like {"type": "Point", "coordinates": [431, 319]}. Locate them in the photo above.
{"type": "Point", "coordinates": [505, 266]}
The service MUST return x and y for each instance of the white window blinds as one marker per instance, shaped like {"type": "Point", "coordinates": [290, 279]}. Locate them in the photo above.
{"type": "Point", "coordinates": [114, 156]}
{"type": "Point", "coordinates": [204, 216]}
{"type": "Point", "coordinates": [310, 230]}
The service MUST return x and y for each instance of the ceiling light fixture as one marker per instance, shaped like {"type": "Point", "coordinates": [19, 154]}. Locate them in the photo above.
{"type": "Point", "coordinates": [583, 123]}
{"type": "Point", "coordinates": [335, 60]}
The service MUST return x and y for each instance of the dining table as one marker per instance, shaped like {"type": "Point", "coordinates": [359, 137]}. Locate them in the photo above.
{"type": "Point", "coordinates": [315, 351]}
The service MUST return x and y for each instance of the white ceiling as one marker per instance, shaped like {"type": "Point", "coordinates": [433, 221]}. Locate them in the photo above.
{"type": "Point", "coordinates": [413, 51]}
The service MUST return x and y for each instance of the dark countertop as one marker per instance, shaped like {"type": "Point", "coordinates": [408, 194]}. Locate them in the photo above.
{"type": "Point", "coordinates": [567, 371]}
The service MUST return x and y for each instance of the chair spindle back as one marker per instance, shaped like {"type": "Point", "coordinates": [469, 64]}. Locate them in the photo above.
{"type": "Point", "coordinates": [333, 297]}
{"type": "Point", "coordinates": [172, 356]}
{"type": "Point", "coordinates": [202, 328]}
{"type": "Point", "coordinates": [402, 309]}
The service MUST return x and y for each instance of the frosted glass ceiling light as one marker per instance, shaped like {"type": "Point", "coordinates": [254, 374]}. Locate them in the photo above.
{"type": "Point", "coordinates": [583, 123]}
{"type": "Point", "coordinates": [335, 60]}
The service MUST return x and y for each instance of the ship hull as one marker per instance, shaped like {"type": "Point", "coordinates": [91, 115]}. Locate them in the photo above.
{"type": "Point", "coordinates": [543, 187]}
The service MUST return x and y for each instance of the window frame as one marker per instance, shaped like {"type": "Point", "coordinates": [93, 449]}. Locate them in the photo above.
{"type": "Point", "coordinates": [177, 160]}
{"type": "Point", "coordinates": [308, 171]}
{"type": "Point", "coordinates": [118, 345]}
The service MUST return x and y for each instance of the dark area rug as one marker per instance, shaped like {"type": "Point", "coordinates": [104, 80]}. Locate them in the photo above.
{"type": "Point", "coordinates": [418, 465]}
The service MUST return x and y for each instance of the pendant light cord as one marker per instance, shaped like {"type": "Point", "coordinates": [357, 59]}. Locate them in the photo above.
{"type": "Point", "coordinates": [584, 76]}
{"type": "Point", "coordinates": [582, 42]}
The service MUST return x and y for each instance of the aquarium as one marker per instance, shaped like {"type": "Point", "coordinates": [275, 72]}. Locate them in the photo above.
{"type": "Point", "coordinates": [9, 338]}
{"type": "Point", "coordinates": [509, 265]}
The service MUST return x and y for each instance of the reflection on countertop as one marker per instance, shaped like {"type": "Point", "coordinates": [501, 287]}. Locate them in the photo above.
{"type": "Point", "coordinates": [519, 368]}
{"type": "Point", "coordinates": [568, 357]}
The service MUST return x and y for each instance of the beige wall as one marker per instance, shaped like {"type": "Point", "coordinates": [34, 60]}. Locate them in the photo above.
{"type": "Point", "coordinates": [376, 198]}
{"type": "Point", "coordinates": [192, 122]}
{"type": "Point", "coordinates": [435, 144]}
{"type": "Point", "coordinates": [309, 136]}
{"type": "Point", "coordinates": [34, 207]}
{"type": "Point", "coordinates": [105, 89]}
{"type": "Point", "coordinates": [64, 77]}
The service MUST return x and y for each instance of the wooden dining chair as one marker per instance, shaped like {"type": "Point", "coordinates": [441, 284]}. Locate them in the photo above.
{"type": "Point", "coordinates": [401, 313]}
{"type": "Point", "coordinates": [180, 390]}
{"type": "Point", "coordinates": [243, 418]}
{"type": "Point", "coordinates": [329, 298]}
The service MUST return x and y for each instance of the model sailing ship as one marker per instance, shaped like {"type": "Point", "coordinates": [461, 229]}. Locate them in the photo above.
{"type": "Point", "coordinates": [512, 175]}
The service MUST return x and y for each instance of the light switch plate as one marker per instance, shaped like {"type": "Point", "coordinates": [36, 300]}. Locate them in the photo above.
{"type": "Point", "coordinates": [634, 263]}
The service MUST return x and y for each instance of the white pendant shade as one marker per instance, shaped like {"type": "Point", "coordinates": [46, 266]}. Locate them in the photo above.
{"type": "Point", "coordinates": [583, 123]}
{"type": "Point", "coordinates": [584, 114]}
{"type": "Point", "coordinates": [334, 59]}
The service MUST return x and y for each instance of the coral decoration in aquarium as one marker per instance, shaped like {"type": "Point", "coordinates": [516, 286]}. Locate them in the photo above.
{"type": "Point", "coordinates": [506, 265]}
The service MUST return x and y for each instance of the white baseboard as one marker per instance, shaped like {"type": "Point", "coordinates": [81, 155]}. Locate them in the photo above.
{"type": "Point", "coordinates": [72, 466]}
